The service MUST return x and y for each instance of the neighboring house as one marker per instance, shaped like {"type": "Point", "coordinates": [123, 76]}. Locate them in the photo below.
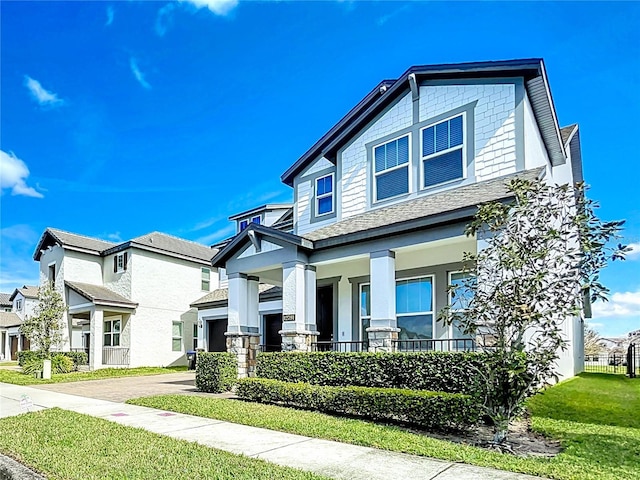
{"type": "Point", "coordinates": [128, 303]}
{"type": "Point", "coordinates": [381, 202]}
{"type": "Point", "coordinates": [5, 302]}
{"type": "Point", "coordinates": [23, 301]}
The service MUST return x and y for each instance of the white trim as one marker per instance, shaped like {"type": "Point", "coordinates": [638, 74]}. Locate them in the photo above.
{"type": "Point", "coordinates": [463, 147]}
{"type": "Point", "coordinates": [449, 274]}
{"type": "Point", "coordinates": [119, 268]}
{"type": "Point", "coordinates": [360, 316]}
{"type": "Point", "coordinates": [181, 337]}
{"type": "Point", "coordinates": [115, 318]}
{"type": "Point", "coordinates": [202, 269]}
{"type": "Point", "coordinates": [80, 306]}
{"type": "Point", "coordinates": [325, 195]}
{"type": "Point", "coordinates": [375, 174]}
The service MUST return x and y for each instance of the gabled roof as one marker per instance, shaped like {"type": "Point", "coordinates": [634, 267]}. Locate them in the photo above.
{"type": "Point", "coordinates": [221, 296]}
{"type": "Point", "coordinates": [254, 229]}
{"type": "Point", "coordinates": [5, 300]}
{"type": "Point", "coordinates": [263, 208]}
{"type": "Point", "coordinates": [386, 93]}
{"type": "Point", "coordinates": [100, 295]}
{"type": "Point", "coordinates": [8, 319]}
{"type": "Point", "coordinates": [455, 204]}
{"type": "Point", "coordinates": [27, 291]}
{"type": "Point", "coordinates": [168, 245]}
{"type": "Point", "coordinates": [565, 132]}
{"type": "Point", "coordinates": [71, 241]}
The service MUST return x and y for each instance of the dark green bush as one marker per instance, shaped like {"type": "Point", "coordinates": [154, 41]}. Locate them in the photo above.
{"type": "Point", "coordinates": [430, 410]}
{"type": "Point", "coordinates": [216, 372]}
{"type": "Point", "coordinates": [28, 356]}
{"type": "Point", "coordinates": [79, 358]}
{"type": "Point", "coordinates": [453, 372]}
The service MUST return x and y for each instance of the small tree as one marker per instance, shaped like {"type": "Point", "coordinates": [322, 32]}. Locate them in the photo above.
{"type": "Point", "coordinates": [45, 327]}
{"type": "Point", "coordinates": [592, 346]}
{"type": "Point", "coordinates": [540, 262]}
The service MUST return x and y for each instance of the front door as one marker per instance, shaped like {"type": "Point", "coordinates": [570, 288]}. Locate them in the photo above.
{"type": "Point", "coordinates": [26, 343]}
{"type": "Point", "coordinates": [216, 341]}
{"type": "Point", "coordinates": [13, 339]}
{"type": "Point", "coordinates": [324, 313]}
{"type": "Point", "coordinates": [272, 339]}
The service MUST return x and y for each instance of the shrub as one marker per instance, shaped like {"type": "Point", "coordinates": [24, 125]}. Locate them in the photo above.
{"type": "Point", "coordinates": [431, 410]}
{"type": "Point", "coordinates": [453, 372]}
{"type": "Point", "coordinates": [60, 363]}
{"type": "Point", "coordinates": [78, 358]}
{"type": "Point", "coordinates": [216, 372]}
{"type": "Point", "coordinates": [27, 356]}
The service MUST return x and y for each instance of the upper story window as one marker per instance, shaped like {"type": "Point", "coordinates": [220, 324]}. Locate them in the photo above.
{"type": "Point", "coordinates": [206, 279]}
{"type": "Point", "coordinates": [324, 195]}
{"type": "Point", "coordinates": [52, 274]}
{"type": "Point", "coordinates": [120, 262]}
{"type": "Point", "coordinates": [391, 168]}
{"type": "Point", "coordinates": [19, 304]}
{"type": "Point", "coordinates": [245, 223]}
{"type": "Point", "coordinates": [443, 152]}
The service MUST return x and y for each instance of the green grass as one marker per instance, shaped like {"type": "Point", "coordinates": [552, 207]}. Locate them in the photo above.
{"type": "Point", "coordinates": [8, 363]}
{"type": "Point", "coordinates": [69, 446]}
{"type": "Point", "coordinates": [18, 378]}
{"type": "Point", "coordinates": [596, 417]}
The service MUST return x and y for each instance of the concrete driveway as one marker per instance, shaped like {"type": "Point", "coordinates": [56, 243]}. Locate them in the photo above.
{"type": "Point", "coordinates": [124, 388]}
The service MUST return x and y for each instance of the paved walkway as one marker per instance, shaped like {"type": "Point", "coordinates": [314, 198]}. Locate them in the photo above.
{"type": "Point", "coordinates": [332, 459]}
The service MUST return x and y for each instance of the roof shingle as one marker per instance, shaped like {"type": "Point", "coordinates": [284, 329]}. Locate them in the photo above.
{"type": "Point", "coordinates": [8, 319]}
{"type": "Point", "coordinates": [100, 295]}
{"type": "Point", "coordinates": [222, 295]}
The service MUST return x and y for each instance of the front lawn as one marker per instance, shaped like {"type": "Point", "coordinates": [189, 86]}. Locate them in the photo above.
{"type": "Point", "coordinates": [67, 446]}
{"type": "Point", "coordinates": [595, 416]}
{"type": "Point", "coordinates": [18, 378]}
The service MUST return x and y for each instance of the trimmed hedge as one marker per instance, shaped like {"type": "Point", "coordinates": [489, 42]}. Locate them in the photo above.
{"type": "Point", "coordinates": [216, 372]}
{"type": "Point", "coordinates": [29, 356]}
{"type": "Point", "coordinates": [430, 410]}
{"type": "Point", "coordinates": [79, 358]}
{"type": "Point", "coordinates": [453, 372]}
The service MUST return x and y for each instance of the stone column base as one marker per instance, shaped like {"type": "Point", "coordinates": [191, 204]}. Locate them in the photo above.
{"type": "Point", "coordinates": [245, 347]}
{"type": "Point", "coordinates": [294, 341]}
{"type": "Point", "coordinates": [382, 339]}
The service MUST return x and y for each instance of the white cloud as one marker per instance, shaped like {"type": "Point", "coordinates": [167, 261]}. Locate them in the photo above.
{"type": "Point", "coordinates": [634, 253]}
{"type": "Point", "coordinates": [13, 175]}
{"type": "Point", "coordinates": [40, 95]}
{"type": "Point", "coordinates": [219, 7]}
{"type": "Point", "coordinates": [110, 14]}
{"type": "Point", "coordinates": [133, 63]}
{"type": "Point", "coordinates": [164, 19]}
{"type": "Point", "coordinates": [621, 304]}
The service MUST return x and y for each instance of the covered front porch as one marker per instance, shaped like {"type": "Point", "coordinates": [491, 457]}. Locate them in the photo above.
{"type": "Point", "coordinates": [99, 323]}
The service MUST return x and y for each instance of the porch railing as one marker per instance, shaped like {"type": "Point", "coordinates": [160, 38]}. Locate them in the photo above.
{"type": "Point", "coordinates": [435, 345]}
{"type": "Point", "coordinates": [115, 356]}
{"type": "Point", "coordinates": [270, 348]}
{"type": "Point", "coordinates": [328, 346]}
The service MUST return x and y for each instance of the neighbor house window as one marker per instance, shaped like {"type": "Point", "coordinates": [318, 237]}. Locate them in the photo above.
{"type": "Point", "coordinates": [256, 220]}
{"type": "Point", "coordinates": [112, 333]}
{"type": "Point", "coordinates": [19, 304]}
{"type": "Point", "coordinates": [195, 336]}
{"type": "Point", "coordinates": [324, 195]}
{"type": "Point", "coordinates": [176, 334]}
{"type": "Point", "coordinates": [245, 223]}
{"type": "Point", "coordinates": [52, 274]}
{"type": "Point", "coordinates": [460, 302]}
{"type": "Point", "coordinates": [391, 168]}
{"type": "Point", "coordinates": [414, 308]}
{"type": "Point", "coordinates": [443, 152]}
{"type": "Point", "coordinates": [120, 262]}
{"type": "Point", "coordinates": [206, 279]}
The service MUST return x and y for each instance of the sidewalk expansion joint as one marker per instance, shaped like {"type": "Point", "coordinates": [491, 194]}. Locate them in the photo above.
{"type": "Point", "coordinates": [442, 471]}
{"type": "Point", "coordinates": [167, 432]}
{"type": "Point", "coordinates": [280, 447]}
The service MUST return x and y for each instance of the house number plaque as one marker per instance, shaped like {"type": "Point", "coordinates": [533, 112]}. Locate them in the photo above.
{"type": "Point", "coordinates": [289, 318]}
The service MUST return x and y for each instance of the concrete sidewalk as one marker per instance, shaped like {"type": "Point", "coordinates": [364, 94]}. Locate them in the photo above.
{"type": "Point", "coordinates": [332, 459]}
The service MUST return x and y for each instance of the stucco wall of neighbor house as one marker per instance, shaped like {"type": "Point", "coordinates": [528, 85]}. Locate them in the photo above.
{"type": "Point", "coordinates": [28, 306]}
{"type": "Point", "coordinates": [535, 153]}
{"type": "Point", "coordinates": [163, 287]}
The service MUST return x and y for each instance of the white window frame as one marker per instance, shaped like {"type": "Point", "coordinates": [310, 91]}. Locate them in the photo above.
{"type": "Point", "coordinates": [202, 279]}
{"type": "Point", "coordinates": [403, 165]}
{"type": "Point", "coordinates": [450, 299]}
{"type": "Point", "coordinates": [195, 336]}
{"type": "Point", "coordinates": [325, 195]}
{"type": "Point", "coordinates": [120, 263]}
{"type": "Point", "coordinates": [411, 314]}
{"type": "Point", "coordinates": [253, 220]}
{"type": "Point", "coordinates": [181, 337]}
{"type": "Point", "coordinates": [424, 158]}
{"type": "Point", "coordinates": [112, 320]}
{"type": "Point", "coordinates": [18, 304]}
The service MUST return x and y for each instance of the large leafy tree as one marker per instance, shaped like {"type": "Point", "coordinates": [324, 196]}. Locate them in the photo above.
{"type": "Point", "coordinates": [539, 262]}
{"type": "Point", "coordinates": [45, 327]}
{"type": "Point", "coordinates": [592, 344]}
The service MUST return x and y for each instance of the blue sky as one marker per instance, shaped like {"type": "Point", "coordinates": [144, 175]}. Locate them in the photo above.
{"type": "Point", "coordinates": [120, 118]}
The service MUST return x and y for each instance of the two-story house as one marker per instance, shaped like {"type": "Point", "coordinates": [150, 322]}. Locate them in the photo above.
{"type": "Point", "coordinates": [128, 303]}
{"type": "Point", "coordinates": [380, 206]}
{"type": "Point", "coordinates": [22, 303]}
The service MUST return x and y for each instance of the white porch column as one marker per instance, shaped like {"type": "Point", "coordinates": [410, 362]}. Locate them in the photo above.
{"type": "Point", "coordinates": [67, 342]}
{"type": "Point", "coordinates": [242, 334]}
{"type": "Point", "coordinates": [95, 347]}
{"type": "Point", "coordinates": [383, 327]}
{"type": "Point", "coordinates": [310, 297]}
{"type": "Point", "coordinates": [296, 297]}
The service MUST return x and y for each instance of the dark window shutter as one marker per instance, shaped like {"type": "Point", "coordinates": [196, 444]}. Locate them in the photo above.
{"type": "Point", "coordinates": [115, 263]}
{"type": "Point", "coordinates": [125, 261]}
